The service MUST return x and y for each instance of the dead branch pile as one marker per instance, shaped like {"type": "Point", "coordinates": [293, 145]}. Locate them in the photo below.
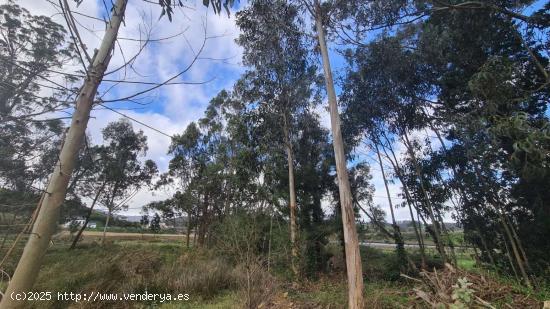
{"type": "Point", "coordinates": [456, 289]}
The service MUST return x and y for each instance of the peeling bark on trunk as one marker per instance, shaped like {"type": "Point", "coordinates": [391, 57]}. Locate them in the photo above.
{"type": "Point", "coordinates": [46, 222]}
{"type": "Point", "coordinates": [354, 267]}
{"type": "Point", "coordinates": [292, 200]}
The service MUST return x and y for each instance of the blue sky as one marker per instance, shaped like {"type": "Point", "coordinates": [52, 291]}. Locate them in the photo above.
{"type": "Point", "coordinates": [171, 108]}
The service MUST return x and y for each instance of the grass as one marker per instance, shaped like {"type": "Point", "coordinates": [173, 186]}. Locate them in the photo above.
{"type": "Point", "coordinates": [133, 266]}
{"type": "Point", "coordinates": [226, 300]}
{"type": "Point", "coordinates": [465, 262]}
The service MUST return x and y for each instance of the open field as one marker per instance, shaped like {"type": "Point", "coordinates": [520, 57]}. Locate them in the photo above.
{"type": "Point", "coordinates": [96, 235]}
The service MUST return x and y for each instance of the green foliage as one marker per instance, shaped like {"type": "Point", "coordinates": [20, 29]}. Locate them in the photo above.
{"type": "Point", "coordinates": [154, 225]}
{"type": "Point", "coordinates": [462, 294]}
{"type": "Point", "coordinates": [477, 80]}
{"type": "Point", "coordinates": [31, 47]}
{"type": "Point", "coordinates": [120, 170]}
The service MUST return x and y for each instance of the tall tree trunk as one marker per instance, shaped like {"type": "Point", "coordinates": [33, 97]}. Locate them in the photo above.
{"type": "Point", "coordinates": [507, 229]}
{"type": "Point", "coordinates": [518, 241]}
{"type": "Point", "coordinates": [450, 243]}
{"type": "Point", "coordinates": [292, 200]}
{"type": "Point", "coordinates": [353, 256]}
{"type": "Point", "coordinates": [105, 227]}
{"type": "Point", "coordinates": [510, 260]}
{"type": "Point", "coordinates": [27, 270]}
{"type": "Point", "coordinates": [435, 224]}
{"type": "Point", "coordinates": [77, 237]}
{"type": "Point", "coordinates": [515, 250]}
{"type": "Point", "coordinates": [398, 172]}
{"type": "Point", "coordinates": [398, 238]}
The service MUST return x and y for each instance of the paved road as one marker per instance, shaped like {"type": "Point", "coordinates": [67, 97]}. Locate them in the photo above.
{"type": "Point", "coordinates": [99, 234]}
{"type": "Point", "coordinates": [391, 245]}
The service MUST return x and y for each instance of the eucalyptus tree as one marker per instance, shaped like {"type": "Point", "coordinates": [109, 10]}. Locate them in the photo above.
{"type": "Point", "coordinates": [122, 173]}
{"type": "Point", "coordinates": [95, 68]}
{"type": "Point", "coordinates": [492, 94]}
{"type": "Point", "coordinates": [30, 48]}
{"type": "Point", "coordinates": [314, 163]}
{"type": "Point", "coordinates": [278, 83]}
{"type": "Point", "coordinates": [481, 78]}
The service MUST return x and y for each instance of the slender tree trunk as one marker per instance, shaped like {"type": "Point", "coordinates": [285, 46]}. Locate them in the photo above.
{"type": "Point", "coordinates": [398, 238]}
{"type": "Point", "coordinates": [398, 172]}
{"type": "Point", "coordinates": [27, 270]}
{"type": "Point", "coordinates": [292, 200]}
{"type": "Point", "coordinates": [510, 259]}
{"type": "Point", "coordinates": [269, 242]}
{"type": "Point", "coordinates": [507, 229]}
{"type": "Point", "coordinates": [378, 224]}
{"type": "Point", "coordinates": [515, 250]}
{"type": "Point", "coordinates": [486, 248]}
{"type": "Point", "coordinates": [418, 219]}
{"type": "Point", "coordinates": [77, 237]}
{"type": "Point", "coordinates": [436, 230]}
{"type": "Point", "coordinates": [518, 241]}
{"type": "Point", "coordinates": [449, 239]}
{"type": "Point", "coordinates": [353, 256]}
{"type": "Point", "coordinates": [203, 222]}
{"type": "Point", "coordinates": [105, 227]}
{"type": "Point", "coordinates": [188, 235]}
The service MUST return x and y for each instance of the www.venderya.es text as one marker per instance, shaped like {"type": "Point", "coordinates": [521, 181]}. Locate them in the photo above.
{"type": "Point", "coordinates": [94, 296]}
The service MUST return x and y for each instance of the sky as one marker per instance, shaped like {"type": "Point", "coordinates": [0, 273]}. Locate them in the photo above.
{"type": "Point", "coordinates": [171, 108]}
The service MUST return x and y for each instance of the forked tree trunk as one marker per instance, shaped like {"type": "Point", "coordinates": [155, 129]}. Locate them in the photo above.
{"type": "Point", "coordinates": [292, 200]}
{"type": "Point", "coordinates": [353, 256]}
{"type": "Point", "coordinates": [27, 270]}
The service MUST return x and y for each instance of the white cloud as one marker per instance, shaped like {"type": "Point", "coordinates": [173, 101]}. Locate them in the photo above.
{"type": "Point", "coordinates": [171, 108]}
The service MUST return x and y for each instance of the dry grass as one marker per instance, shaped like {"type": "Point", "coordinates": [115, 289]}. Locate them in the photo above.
{"type": "Point", "coordinates": [456, 288]}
